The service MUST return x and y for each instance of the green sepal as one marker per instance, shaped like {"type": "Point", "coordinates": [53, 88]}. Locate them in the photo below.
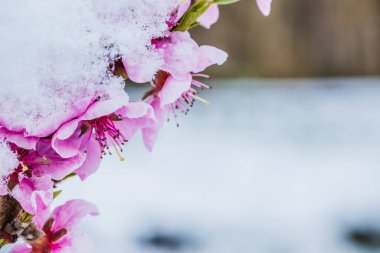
{"type": "Point", "coordinates": [68, 176]}
{"type": "Point", "coordinates": [27, 217]}
{"type": "Point", "coordinates": [225, 2]}
{"type": "Point", "coordinates": [189, 20]}
{"type": "Point", "coordinates": [56, 194]}
{"type": "Point", "coordinates": [194, 25]}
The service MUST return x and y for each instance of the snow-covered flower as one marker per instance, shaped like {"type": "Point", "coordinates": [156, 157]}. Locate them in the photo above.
{"type": "Point", "coordinates": [18, 138]}
{"type": "Point", "coordinates": [65, 106]}
{"type": "Point", "coordinates": [60, 232]}
{"type": "Point", "coordinates": [70, 46]}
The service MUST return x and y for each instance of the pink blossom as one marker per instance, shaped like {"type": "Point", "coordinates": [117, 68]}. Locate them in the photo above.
{"type": "Point", "coordinates": [106, 124]}
{"type": "Point", "coordinates": [167, 96]}
{"type": "Point", "coordinates": [49, 162]}
{"type": "Point", "coordinates": [183, 59]}
{"type": "Point", "coordinates": [182, 55]}
{"type": "Point", "coordinates": [31, 183]}
{"type": "Point", "coordinates": [34, 194]}
{"type": "Point", "coordinates": [150, 132]}
{"type": "Point", "coordinates": [60, 230]}
{"type": "Point", "coordinates": [174, 83]}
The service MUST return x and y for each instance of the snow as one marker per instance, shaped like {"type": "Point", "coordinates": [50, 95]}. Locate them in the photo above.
{"type": "Point", "coordinates": [280, 166]}
{"type": "Point", "coordinates": [8, 160]}
{"type": "Point", "coordinates": [55, 54]}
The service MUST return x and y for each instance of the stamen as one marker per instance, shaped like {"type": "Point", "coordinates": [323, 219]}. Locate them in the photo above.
{"type": "Point", "coordinates": [107, 134]}
{"type": "Point", "coordinates": [24, 167]}
{"type": "Point", "coordinates": [200, 99]}
{"type": "Point", "coordinates": [117, 152]}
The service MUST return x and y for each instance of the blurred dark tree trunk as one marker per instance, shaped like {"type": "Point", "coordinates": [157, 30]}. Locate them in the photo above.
{"type": "Point", "coordinates": [300, 38]}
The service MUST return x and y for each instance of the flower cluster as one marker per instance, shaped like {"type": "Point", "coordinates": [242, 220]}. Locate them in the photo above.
{"type": "Point", "coordinates": [35, 159]}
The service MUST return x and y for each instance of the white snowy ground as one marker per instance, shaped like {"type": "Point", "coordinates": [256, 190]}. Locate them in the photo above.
{"type": "Point", "coordinates": [269, 167]}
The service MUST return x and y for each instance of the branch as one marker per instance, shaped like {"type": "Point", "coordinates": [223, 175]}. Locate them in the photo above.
{"type": "Point", "coordinates": [10, 220]}
{"type": "Point", "coordinates": [15, 223]}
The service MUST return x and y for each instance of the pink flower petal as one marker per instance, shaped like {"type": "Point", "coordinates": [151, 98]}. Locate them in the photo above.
{"type": "Point", "coordinates": [71, 213]}
{"type": "Point", "coordinates": [174, 88]}
{"type": "Point", "coordinates": [67, 216]}
{"type": "Point", "coordinates": [150, 132]}
{"type": "Point", "coordinates": [70, 146]}
{"type": "Point", "coordinates": [19, 139]}
{"type": "Point", "coordinates": [210, 17]}
{"type": "Point", "coordinates": [136, 116]}
{"type": "Point", "coordinates": [49, 126]}
{"type": "Point", "coordinates": [137, 69]}
{"type": "Point", "coordinates": [41, 217]}
{"type": "Point", "coordinates": [92, 160]}
{"type": "Point", "coordinates": [103, 108]}
{"type": "Point", "coordinates": [34, 193]}
{"type": "Point", "coordinates": [21, 248]}
{"type": "Point", "coordinates": [56, 166]}
{"type": "Point", "coordinates": [181, 54]}
{"type": "Point", "coordinates": [135, 110]}
{"type": "Point", "coordinates": [210, 55]}
{"type": "Point", "coordinates": [66, 141]}
{"type": "Point", "coordinates": [264, 6]}
{"type": "Point", "coordinates": [184, 6]}
{"type": "Point", "coordinates": [77, 242]}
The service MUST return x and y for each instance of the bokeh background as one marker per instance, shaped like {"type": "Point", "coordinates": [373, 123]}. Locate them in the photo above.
{"type": "Point", "coordinates": [286, 158]}
{"type": "Point", "coordinates": [300, 39]}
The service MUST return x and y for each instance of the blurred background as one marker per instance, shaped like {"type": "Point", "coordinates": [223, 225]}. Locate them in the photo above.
{"type": "Point", "coordinates": [300, 39]}
{"type": "Point", "coordinates": [284, 160]}
{"type": "Point", "coordinates": [271, 166]}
